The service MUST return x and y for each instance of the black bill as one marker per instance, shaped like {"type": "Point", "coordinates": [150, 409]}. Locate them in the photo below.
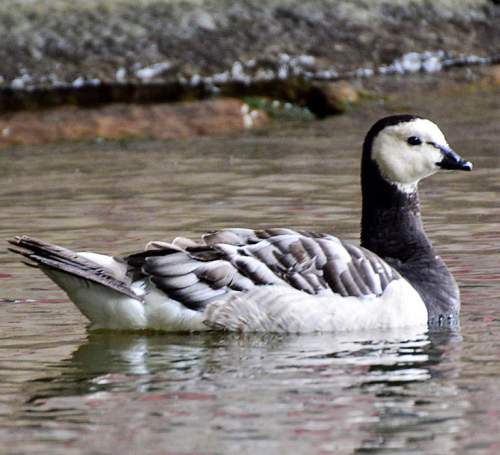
{"type": "Point", "coordinates": [452, 160]}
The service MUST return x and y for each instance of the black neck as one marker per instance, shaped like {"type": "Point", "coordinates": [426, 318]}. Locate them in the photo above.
{"type": "Point", "coordinates": [391, 224]}
{"type": "Point", "coordinates": [391, 227]}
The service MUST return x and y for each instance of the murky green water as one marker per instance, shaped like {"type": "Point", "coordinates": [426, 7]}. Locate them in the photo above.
{"type": "Point", "coordinates": [65, 391]}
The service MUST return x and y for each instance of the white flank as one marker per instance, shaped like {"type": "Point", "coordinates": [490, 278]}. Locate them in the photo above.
{"type": "Point", "coordinates": [284, 309]}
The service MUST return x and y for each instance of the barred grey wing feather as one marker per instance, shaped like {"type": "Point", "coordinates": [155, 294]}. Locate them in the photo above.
{"type": "Point", "coordinates": [232, 260]}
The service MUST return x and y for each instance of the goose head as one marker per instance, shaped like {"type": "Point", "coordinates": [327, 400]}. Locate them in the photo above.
{"type": "Point", "coordinates": [407, 148]}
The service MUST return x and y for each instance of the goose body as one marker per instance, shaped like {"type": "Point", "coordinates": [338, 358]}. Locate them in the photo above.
{"type": "Point", "coordinates": [282, 280]}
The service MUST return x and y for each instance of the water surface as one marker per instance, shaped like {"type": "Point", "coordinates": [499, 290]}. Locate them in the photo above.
{"type": "Point", "coordinates": [63, 390]}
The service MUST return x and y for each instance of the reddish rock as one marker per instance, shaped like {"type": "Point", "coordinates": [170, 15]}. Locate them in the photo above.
{"type": "Point", "coordinates": [128, 121]}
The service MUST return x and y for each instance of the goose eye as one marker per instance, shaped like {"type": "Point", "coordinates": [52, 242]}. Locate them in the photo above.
{"type": "Point", "coordinates": [414, 140]}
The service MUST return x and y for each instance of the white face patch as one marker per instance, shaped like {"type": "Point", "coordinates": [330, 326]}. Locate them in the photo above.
{"type": "Point", "coordinates": [405, 164]}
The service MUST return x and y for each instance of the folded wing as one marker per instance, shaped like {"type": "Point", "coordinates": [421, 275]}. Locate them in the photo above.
{"type": "Point", "coordinates": [197, 273]}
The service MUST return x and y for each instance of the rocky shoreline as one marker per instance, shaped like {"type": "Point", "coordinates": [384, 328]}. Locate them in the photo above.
{"type": "Point", "coordinates": [223, 115]}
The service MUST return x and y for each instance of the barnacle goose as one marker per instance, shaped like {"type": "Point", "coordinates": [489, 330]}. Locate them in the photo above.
{"type": "Point", "coordinates": [283, 280]}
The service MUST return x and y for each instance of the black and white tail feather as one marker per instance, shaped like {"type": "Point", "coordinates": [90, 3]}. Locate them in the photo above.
{"type": "Point", "coordinates": [52, 257]}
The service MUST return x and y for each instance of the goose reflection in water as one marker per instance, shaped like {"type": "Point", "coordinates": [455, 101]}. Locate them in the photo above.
{"type": "Point", "coordinates": [254, 386]}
